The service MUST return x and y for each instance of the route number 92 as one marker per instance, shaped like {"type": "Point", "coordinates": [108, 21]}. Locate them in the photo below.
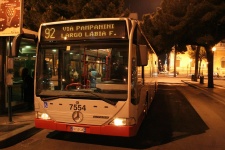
{"type": "Point", "coordinates": [49, 33]}
{"type": "Point", "coordinates": [77, 107]}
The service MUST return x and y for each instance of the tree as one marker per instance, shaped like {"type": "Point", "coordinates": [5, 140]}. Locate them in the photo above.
{"type": "Point", "coordinates": [166, 28]}
{"type": "Point", "coordinates": [198, 53]}
{"type": "Point", "coordinates": [39, 11]}
{"type": "Point", "coordinates": [209, 19]}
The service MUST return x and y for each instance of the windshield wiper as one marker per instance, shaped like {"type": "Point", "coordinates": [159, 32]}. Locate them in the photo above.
{"type": "Point", "coordinates": [47, 98]}
{"type": "Point", "coordinates": [102, 98]}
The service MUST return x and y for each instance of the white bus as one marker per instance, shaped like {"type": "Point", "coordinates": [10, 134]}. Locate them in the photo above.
{"type": "Point", "coordinates": [90, 76]}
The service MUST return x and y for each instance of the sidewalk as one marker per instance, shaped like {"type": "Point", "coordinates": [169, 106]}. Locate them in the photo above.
{"type": "Point", "coordinates": [21, 122]}
{"type": "Point", "coordinates": [24, 121]}
{"type": "Point", "coordinates": [217, 92]}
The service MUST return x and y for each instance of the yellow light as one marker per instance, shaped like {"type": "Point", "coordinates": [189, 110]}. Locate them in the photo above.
{"type": "Point", "coordinates": [43, 116]}
{"type": "Point", "coordinates": [119, 122]}
{"type": "Point", "coordinates": [123, 122]}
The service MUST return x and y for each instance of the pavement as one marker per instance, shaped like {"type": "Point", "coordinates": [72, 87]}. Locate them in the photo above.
{"type": "Point", "coordinates": [19, 122]}
{"type": "Point", "coordinates": [23, 121]}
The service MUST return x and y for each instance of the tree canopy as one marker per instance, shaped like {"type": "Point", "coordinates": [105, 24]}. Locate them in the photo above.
{"type": "Point", "coordinates": [195, 22]}
{"type": "Point", "coordinates": [175, 23]}
{"type": "Point", "coordinates": [39, 11]}
{"type": "Point", "coordinates": [187, 22]}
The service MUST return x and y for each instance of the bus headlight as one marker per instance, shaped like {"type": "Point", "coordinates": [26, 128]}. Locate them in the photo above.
{"type": "Point", "coordinates": [42, 116]}
{"type": "Point", "coordinates": [123, 122]}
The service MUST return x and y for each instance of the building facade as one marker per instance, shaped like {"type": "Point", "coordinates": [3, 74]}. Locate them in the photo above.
{"type": "Point", "coordinates": [185, 65]}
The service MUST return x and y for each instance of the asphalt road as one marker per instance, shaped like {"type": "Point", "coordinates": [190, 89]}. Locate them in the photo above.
{"type": "Point", "coordinates": [180, 118]}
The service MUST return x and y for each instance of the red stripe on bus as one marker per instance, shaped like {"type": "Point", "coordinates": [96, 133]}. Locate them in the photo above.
{"type": "Point", "coordinates": [126, 131]}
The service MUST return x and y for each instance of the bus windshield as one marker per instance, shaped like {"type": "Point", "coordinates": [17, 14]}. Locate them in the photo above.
{"type": "Point", "coordinates": [84, 71]}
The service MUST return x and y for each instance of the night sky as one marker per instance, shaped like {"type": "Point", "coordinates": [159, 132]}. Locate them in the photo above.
{"type": "Point", "coordinates": [142, 6]}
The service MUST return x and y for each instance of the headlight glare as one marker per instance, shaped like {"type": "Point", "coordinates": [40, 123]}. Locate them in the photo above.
{"type": "Point", "coordinates": [123, 121]}
{"type": "Point", "coordinates": [44, 116]}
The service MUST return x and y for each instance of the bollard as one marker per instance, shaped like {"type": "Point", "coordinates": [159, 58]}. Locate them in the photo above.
{"type": "Point", "coordinates": [192, 77]}
{"type": "Point", "coordinates": [10, 103]}
{"type": "Point", "coordinates": [201, 79]}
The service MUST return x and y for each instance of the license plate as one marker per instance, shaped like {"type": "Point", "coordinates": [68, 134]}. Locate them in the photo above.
{"type": "Point", "coordinates": [78, 129]}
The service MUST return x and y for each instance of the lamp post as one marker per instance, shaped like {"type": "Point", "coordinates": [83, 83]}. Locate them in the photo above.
{"type": "Point", "coordinates": [187, 70]}
{"type": "Point", "coordinates": [190, 65]}
{"type": "Point", "coordinates": [202, 69]}
{"type": "Point", "coordinates": [160, 66]}
{"type": "Point", "coordinates": [213, 50]}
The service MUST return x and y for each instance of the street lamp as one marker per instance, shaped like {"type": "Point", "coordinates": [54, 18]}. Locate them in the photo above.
{"type": "Point", "coordinates": [202, 69]}
{"type": "Point", "coordinates": [160, 66]}
{"type": "Point", "coordinates": [190, 65]}
{"type": "Point", "coordinates": [213, 50]}
{"type": "Point", "coordinates": [187, 69]}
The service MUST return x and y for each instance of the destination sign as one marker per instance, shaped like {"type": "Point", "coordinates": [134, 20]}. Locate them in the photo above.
{"type": "Point", "coordinates": [84, 31]}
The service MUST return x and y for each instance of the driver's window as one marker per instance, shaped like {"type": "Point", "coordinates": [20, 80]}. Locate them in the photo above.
{"type": "Point", "coordinates": [51, 67]}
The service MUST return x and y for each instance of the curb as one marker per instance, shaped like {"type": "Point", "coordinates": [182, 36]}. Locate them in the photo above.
{"type": "Point", "coordinates": [15, 132]}
{"type": "Point", "coordinates": [18, 135]}
{"type": "Point", "coordinates": [218, 98]}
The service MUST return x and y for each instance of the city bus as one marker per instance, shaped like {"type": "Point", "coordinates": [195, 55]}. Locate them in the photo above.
{"type": "Point", "coordinates": [93, 76]}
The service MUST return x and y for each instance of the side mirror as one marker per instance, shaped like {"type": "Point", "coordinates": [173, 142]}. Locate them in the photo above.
{"type": "Point", "coordinates": [142, 55]}
{"type": "Point", "coordinates": [17, 41]}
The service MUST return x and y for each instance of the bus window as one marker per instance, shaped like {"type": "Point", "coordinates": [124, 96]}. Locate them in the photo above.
{"type": "Point", "coordinates": [84, 67]}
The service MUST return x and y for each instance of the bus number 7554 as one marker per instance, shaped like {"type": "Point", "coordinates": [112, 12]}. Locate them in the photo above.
{"type": "Point", "coordinates": [77, 107]}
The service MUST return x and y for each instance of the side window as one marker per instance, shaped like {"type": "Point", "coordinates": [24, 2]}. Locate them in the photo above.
{"type": "Point", "coordinates": [134, 77]}
{"type": "Point", "coordinates": [223, 62]}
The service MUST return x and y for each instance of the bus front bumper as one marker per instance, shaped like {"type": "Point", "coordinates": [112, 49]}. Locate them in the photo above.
{"type": "Point", "coordinates": [110, 130]}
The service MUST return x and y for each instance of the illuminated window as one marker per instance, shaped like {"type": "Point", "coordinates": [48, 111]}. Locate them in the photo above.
{"type": "Point", "coordinates": [223, 62]}
{"type": "Point", "coordinates": [177, 63]}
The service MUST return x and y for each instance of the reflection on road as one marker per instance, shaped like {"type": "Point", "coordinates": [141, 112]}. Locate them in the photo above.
{"type": "Point", "coordinates": [171, 117]}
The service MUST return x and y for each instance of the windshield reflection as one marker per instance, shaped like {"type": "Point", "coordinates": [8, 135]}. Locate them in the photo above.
{"type": "Point", "coordinates": [83, 70]}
